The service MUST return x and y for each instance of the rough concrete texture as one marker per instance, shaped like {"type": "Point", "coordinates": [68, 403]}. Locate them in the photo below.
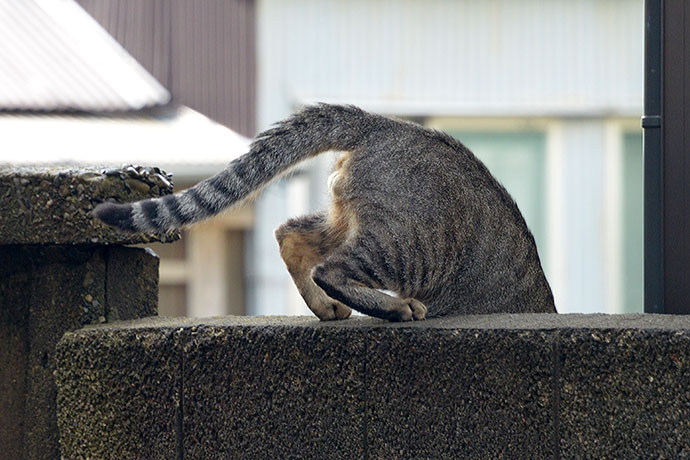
{"type": "Point", "coordinates": [459, 394]}
{"type": "Point", "coordinates": [132, 283]}
{"type": "Point", "coordinates": [481, 387]}
{"type": "Point", "coordinates": [53, 206]}
{"type": "Point", "coordinates": [45, 291]}
{"type": "Point", "coordinates": [14, 359]}
{"type": "Point", "coordinates": [119, 394]}
{"type": "Point", "coordinates": [273, 392]}
{"type": "Point", "coordinates": [625, 393]}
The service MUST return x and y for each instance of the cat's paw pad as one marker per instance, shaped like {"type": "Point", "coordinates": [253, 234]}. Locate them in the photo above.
{"type": "Point", "coordinates": [331, 310]}
{"type": "Point", "coordinates": [408, 310]}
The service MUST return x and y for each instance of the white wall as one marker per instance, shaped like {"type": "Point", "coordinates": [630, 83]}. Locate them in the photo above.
{"type": "Point", "coordinates": [459, 57]}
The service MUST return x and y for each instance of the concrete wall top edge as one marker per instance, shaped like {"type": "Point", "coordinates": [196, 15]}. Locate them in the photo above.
{"type": "Point", "coordinates": [542, 321]}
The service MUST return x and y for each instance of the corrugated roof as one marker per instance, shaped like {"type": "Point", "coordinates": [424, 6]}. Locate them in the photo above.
{"type": "Point", "coordinates": [179, 140]}
{"type": "Point", "coordinates": [54, 56]}
{"type": "Point", "coordinates": [202, 51]}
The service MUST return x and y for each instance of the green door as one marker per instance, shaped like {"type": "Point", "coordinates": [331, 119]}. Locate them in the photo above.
{"type": "Point", "coordinates": [632, 237]}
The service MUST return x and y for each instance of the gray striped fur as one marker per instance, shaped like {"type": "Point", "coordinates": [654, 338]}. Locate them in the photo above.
{"type": "Point", "coordinates": [312, 131]}
{"type": "Point", "coordinates": [413, 212]}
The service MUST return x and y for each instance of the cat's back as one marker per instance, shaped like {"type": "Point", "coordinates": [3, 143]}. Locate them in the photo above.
{"type": "Point", "coordinates": [425, 195]}
{"type": "Point", "coordinates": [408, 168]}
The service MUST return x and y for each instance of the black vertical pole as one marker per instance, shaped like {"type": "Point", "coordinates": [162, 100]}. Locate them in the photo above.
{"type": "Point", "coordinates": [653, 159]}
{"type": "Point", "coordinates": [666, 123]}
{"type": "Point", "coordinates": [675, 113]}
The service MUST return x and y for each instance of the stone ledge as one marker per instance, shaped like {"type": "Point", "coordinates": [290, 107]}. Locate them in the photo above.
{"type": "Point", "coordinates": [53, 205]}
{"type": "Point", "coordinates": [538, 386]}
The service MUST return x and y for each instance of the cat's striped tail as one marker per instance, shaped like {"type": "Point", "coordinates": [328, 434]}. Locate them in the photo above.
{"type": "Point", "coordinates": [305, 134]}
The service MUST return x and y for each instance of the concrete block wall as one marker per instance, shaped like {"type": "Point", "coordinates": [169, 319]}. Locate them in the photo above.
{"type": "Point", "coordinates": [61, 270]}
{"type": "Point", "coordinates": [534, 386]}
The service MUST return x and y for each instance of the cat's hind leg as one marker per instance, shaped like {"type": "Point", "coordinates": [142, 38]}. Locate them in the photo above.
{"type": "Point", "coordinates": [304, 243]}
{"type": "Point", "coordinates": [353, 275]}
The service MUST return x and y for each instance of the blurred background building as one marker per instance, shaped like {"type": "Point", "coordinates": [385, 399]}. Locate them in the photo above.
{"type": "Point", "coordinates": [547, 93]}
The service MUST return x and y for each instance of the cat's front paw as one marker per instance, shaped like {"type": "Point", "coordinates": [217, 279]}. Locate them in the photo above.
{"type": "Point", "coordinates": [329, 310]}
{"type": "Point", "coordinates": [407, 310]}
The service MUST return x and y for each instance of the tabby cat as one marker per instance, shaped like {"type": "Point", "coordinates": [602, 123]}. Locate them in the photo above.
{"type": "Point", "coordinates": [413, 212]}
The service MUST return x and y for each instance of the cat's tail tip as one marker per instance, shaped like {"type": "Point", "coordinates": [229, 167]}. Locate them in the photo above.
{"type": "Point", "coordinates": [115, 215]}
